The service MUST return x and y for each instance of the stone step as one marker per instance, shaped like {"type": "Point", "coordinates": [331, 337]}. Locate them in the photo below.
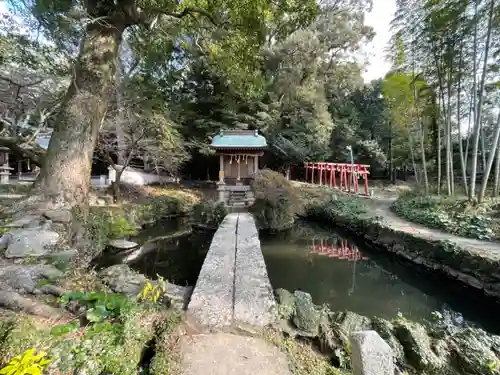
{"type": "Point", "coordinates": [237, 204]}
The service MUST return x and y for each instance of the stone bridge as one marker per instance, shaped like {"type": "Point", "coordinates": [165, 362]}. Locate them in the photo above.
{"type": "Point", "coordinates": [233, 288]}
{"type": "Point", "coordinates": [233, 291]}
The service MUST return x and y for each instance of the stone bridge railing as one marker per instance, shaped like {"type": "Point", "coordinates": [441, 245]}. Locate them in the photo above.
{"type": "Point", "coordinates": [233, 288]}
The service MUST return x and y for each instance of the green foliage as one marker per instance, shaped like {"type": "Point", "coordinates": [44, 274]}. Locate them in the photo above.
{"type": "Point", "coordinates": [345, 206]}
{"type": "Point", "coordinates": [104, 225]}
{"type": "Point", "coordinates": [153, 292]}
{"type": "Point", "coordinates": [446, 214]}
{"type": "Point", "coordinates": [276, 201]}
{"type": "Point", "coordinates": [98, 305]}
{"type": "Point", "coordinates": [112, 344]}
{"type": "Point", "coordinates": [304, 360]}
{"type": "Point", "coordinates": [28, 363]}
{"type": "Point", "coordinates": [209, 213]}
{"type": "Point", "coordinates": [160, 207]}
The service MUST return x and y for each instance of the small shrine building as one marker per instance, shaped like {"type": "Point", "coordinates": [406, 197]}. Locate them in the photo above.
{"type": "Point", "coordinates": [238, 152]}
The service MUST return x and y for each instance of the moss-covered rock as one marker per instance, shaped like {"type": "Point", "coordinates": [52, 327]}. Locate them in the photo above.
{"type": "Point", "coordinates": [417, 346]}
{"type": "Point", "coordinates": [350, 322]}
{"type": "Point", "coordinates": [421, 349]}
{"type": "Point", "coordinates": [472, 351]}
{"type": "Point", "coordinates": [386, 330]}
{"type": "Point", "coordinates": [307, 316]}
{"type": "Point", "coordinates": [286, 303]}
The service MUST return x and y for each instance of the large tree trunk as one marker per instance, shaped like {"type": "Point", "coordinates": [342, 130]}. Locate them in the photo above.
{"type": "Point", "coordinates": [65, 176]}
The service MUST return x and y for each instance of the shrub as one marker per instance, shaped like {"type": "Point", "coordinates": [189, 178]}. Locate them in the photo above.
{"type": "Point", "coordinates": [27, 364]}
{"type": "Point", "coordinates": [346, 206]}
{"type": "Point", "coordinates": [445, 214]}
{"type": "Point", "coordinates": [159, 207]}
{"type": "Point", "coordinates": [209, 213]}
{"type": "Point", "coordinates": [276, 200]}
{"type": "Point", "coordinates": [105, 224]}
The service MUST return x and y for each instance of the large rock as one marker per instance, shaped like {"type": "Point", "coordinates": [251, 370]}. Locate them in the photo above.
{"type": "Point", "coordinates": [26, 278]}
{"type": "Point", "coordinates": [24, 222]}
{"type": "Point", "coordinates": [29, 242]}
{"type": "Point", "coordinates": [307, 316]}
{"type": "Point", "coordinates": [472, 351]}
{"type": "Point", "coordinates": [122, 279]}
{"type": "Point", "coordinates": [58, 216]}
{"type": "Point", "coordinates": [386, 330]}
{"type": "Point", "coordinates": [349, 321]}
{"type": "Point", "coordinates": [417, 346]}
{"type": "Point", "coordinates": [370, 354]}
{"type": "Point", "coordinates": [286, 303]}
{"type": "Point", "coordinates": [64, 256]}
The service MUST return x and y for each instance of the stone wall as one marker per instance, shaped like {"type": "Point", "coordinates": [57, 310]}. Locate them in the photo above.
{"type": "Point", "coordinates": [135, 176]}
{"type": "Point", "coordinates": [233, 287]}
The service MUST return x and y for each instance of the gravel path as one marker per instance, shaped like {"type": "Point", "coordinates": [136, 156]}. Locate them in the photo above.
{"type": "Point", "coordinates": [228, 354]}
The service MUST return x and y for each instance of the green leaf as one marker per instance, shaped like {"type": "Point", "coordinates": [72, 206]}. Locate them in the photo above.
{"type": "Point", "coordinates": [64, 329]}
{"type": "Point", "coordinates": [97, 314]}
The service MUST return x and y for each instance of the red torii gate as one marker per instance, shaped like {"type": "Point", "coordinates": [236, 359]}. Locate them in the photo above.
{"type": "Point", "coordinates": [345, 175]}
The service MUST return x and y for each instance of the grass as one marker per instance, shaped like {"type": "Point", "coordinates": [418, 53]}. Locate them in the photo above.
{"type": "Point", "coordinates": [303, 358]}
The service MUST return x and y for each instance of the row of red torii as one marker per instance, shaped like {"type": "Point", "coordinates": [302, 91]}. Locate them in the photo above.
{"type": "Point", "coordinates": [327, 175]}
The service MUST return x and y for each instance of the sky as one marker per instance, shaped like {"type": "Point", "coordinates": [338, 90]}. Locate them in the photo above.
{"type": "Point", "coordinates": [379, 18]}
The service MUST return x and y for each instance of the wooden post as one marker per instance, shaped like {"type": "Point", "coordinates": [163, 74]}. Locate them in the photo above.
{"type": "Point", "coordinates": [238, 178]}
{"type": "Point", "coordinates": [255, 164]}
{"type": "Point", "coordinates": [221, 168]}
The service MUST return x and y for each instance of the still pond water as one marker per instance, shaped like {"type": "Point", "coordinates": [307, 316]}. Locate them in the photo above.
{"type": "Point", "coordinates": [329, 266]}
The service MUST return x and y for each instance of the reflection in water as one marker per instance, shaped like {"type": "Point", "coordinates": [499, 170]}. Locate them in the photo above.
{"type": "Point", "coordinates": [338, 273]}
{"type": "Point", "coordinates": [340, 249]}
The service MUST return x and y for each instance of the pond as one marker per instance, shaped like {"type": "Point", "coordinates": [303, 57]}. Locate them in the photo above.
{"type": "Point", "coordinates": [330, 266]}
{"type": "Point", "coordinates": [337, 272]}
{"type": "Point", "coordinates": [172, 250]}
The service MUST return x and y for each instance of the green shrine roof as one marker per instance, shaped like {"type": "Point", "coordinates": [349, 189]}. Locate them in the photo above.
{"type": "Point", "coordinates": [238, 139]}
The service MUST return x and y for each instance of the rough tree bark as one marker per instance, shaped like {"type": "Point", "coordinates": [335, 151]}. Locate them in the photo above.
{"type": "Point", "coordinates": [65, 176]}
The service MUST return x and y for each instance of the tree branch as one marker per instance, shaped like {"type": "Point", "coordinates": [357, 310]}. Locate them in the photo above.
{"type": "Point", "coordinates": [186, 11]}
{"type": "Point", "coordinates": [8, 80]}
{"type": "Point", "coordinates": [14, 144]}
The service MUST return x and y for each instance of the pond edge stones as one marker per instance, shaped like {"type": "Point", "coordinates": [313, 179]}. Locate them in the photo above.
{"type": "Point", "coordinates": [370, 354]}
{"type": "Point", "coordinates": [233, 286]}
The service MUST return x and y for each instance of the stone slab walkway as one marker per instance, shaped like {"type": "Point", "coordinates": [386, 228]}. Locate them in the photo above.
{"type": "Point", "coordinates": [381, 207]}
{"type": "Point", "coordinates": [233, 288]}
{"type": "Point", "coordinates": [228, 354]}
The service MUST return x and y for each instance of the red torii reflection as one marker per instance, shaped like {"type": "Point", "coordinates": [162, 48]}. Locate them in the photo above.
{"type": "Point", "coordinates": [342, 250]}
{"type": "Point", "coordinates": [345, 170]}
